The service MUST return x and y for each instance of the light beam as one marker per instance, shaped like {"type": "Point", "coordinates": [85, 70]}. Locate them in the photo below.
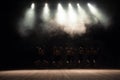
{"type": "Point", "coordinates": [92, 9]}
{"type": "Point", "coordinates": [99, 17]}
{"type": "Point", "coordinates": [60, 15]}
{"type": "Point", "coordinates": [46, 12]}
{"type": "Point", "coordinates": [82, 14]}
{"type": "Point", "coordinates": [32, 6]}
{"type": "Point", "coordinates": [28, 21]}
{"type": "Point", "coordinates": [72, 16]}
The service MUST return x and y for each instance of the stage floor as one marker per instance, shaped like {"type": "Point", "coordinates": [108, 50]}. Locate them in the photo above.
{"type": "Point", "coordinates": [62, 74]}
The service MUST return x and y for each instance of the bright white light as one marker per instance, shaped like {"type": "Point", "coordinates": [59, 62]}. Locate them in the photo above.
{"type": "Point", "coordinates": [78, 4]}
{"type": "Point", "coordinates": [32, 5]}
{"type": "Point", "coordinates": [46, 12]}
{"type": "Point", "coordinates": [79, 7]}
{"type": "Point", "coordinates": [80, 11]}
{"type": "Point", "coordinates": [29, 18]}
{"type": "Point", "coordinates": [27, 23]}
{"type": "Point", "coordinates": [83, 17]}
{"type": "Point", "coordinates": [46, 9]}
{"type": "Point", "coordinates": [92, 8]}
{"type": "Point", "coordinates": [61, 15]}
{"type": "Point", "coordinates": [72, 16]}
{"type": "Point", "coordinates": [99, 17]}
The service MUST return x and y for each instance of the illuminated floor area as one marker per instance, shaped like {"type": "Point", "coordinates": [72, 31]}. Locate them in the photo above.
{"type": "Point", "coordinates": [72, 74]}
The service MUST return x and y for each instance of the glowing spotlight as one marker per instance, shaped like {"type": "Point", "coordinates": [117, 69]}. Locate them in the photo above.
{"type": "Point", "coordinates": [80, 10]}
{"type": "Point", "coordinates": [83, 17]}
{"type": "Point", "coordinates": [78, 4]}
{"type": "Point", "coordinates": [71, 14]}
{"type": "Point", "coordinates": [32, 6]}
{"type": "Point", "coordinates": [98, 16]}
{"type": "Point", "coordinates": [46, 8]}
{"type": "Point", "coordinates": [28, 21]}
{"type": "Point", "coordinates": [92, 8]}
{"type": "Point", "coordinates": [79, 7]}
{"type": "Point", "coordinates": [61, 15]}
{"type": "Point", "coordinates": [70, 6]}
{"type": "Point", "coordinates": [29, 18]}
{"type": "Point", "coordinates": [46, 12]}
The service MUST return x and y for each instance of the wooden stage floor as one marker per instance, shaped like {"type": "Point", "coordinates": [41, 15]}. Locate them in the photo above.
{"type": "Point", "coordinates": [60, 74]}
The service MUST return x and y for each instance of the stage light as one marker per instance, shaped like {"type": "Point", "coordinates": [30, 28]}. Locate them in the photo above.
{"type": "Point", "coordinates": [60, 15]}
{"type": "Point", "coordinates": [78, 4]}
{"type": "Point", "coordinates": [82, 14]}
{"type": "Point", "coordinates": [46, 12]}
{"type": "Point", "coordinates": [92, 8]}
{"type": "Point", "coordinates": [96, 13]}
{"type": "Point", "coordinates": [29, 18]}
{"type": "Point", "coordinates": [46, 8]}
{"type": "Point", "coordinates": [79, 7]}
{"type": "Point", "coordinates": [28, 21]}
{"type": "Point", "coordinates": [98, 16]}
{"type": "Point", "coordinates": [72, 16]}
{"type": "Point", "coordinates": [80, 10]}
{"type": "Point", "coordinates": [32, 6]}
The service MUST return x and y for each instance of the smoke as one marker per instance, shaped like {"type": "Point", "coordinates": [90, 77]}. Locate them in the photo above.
{"type": "Point", "coordinates": [51, 26]}
{"type": "Point", "coordinates": [71, 21]}
{"type": "Point", "coordinates": [27, 22]}
{"type": "Point", "coordinates": [99, 16]}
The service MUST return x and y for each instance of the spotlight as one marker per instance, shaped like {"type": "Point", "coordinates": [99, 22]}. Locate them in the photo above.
{"type": "Point", "coordinates": [79, 7]}
{"type": "Point", "coordinates": [98, 16]}
{"type": "Point", "coordinates": [46, 11]}
{"type": "Point", "coordinates": [61, 15]}
{"type": "Point", "coordinates": [92, 8]}
{"type": "Point", "coordinates": [32, 6]}
{"type": "Point", "coordinates": [70, 6]}
{"type": "Point", "coordinates": [29, 18]}
{"type": "Point", "coordinates": [28, 21]}
{"type": "Point", "coordinates": [78, 4]}
{"type": "Point", "coordinates": [71, 13]}
{"type": "Point", "coordinates": [82, 14]}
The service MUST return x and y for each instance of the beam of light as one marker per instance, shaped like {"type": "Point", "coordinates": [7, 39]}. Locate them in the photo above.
{"type": "Point", "coordinates": [46, 12]}
{"type": "Point", "coordinates": [82, 14]}
{"type": "Point", "coordinates": [95, 12]}
{"type": "Point", "coordinates": [72, 16]}
{"type": "Point", "coordinates": [61, 15]}
{"type": "Point", "coordinates": [99, 17]}
{"type": "Point", "coordinates": [92, 8]}
{"type": "Point", "coordinates": [28, 21]}
{"type": "Point", "coordinates": [73, 25]}
{"type": "Point", "coordinates": [32, 6]}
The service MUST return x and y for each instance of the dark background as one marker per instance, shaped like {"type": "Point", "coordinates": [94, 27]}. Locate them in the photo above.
{"type": "Point", "coordinates": [18, 51]}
